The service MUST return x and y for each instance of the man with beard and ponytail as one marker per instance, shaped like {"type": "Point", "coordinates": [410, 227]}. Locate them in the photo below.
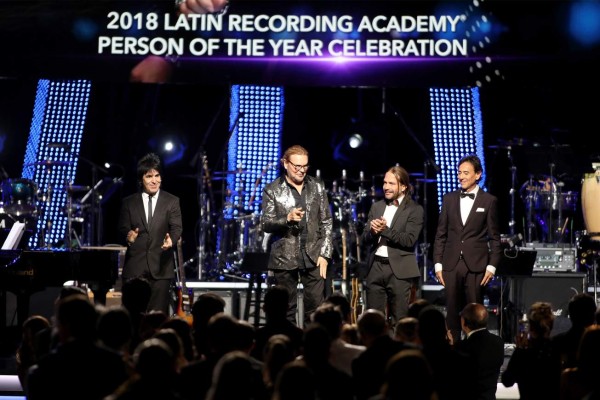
{"type": "Point", "coordinates": [394, 225]}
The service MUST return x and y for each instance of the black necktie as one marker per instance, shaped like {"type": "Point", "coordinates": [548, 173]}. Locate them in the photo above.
{"type": "Point", "coordinates": [149, 209]}
{"type": "Point", "coordinates": [465, 194]}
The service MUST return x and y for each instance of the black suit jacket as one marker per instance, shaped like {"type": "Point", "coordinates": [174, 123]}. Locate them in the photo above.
{"type": "Point", "coordinates": [146, 254]}
{"type": "Point", "coordinates": [478, 239]}
{"type": "Point", "coordinates": [401, 236]}
{"type": "Point", "coordinates": [486, 351]}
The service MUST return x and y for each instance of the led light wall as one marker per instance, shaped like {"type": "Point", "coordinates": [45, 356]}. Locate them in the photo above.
{"type": "Point", "coordinates": [256, 120]}
{"type": "Point", "coordinates": [457, 131]}
{"type": "Point", "coordinates": [51, 154]}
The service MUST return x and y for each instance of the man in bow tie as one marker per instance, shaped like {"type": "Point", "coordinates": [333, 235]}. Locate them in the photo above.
{"type": "Point", "coordinates": [394, 225]}
{"type": "Point", "coordinates": [466, 250]}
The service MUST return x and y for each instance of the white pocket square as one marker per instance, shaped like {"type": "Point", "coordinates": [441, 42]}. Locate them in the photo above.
{"type": "Point", "coordinates": [480, 209]}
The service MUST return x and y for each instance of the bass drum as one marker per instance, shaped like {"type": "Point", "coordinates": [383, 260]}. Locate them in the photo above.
{"type": "Point", "coordinates": [590, 204]}
{"type": "Point", "coordinates": [19, 197]}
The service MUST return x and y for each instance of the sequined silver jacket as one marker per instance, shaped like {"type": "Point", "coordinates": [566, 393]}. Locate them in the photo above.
{"type": "Point", "coordinates": [277, 202]}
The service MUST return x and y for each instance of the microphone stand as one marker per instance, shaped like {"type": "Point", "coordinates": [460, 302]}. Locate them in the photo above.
{"type": "Point", "coordinates": [425, 244]}
{"type": "Point", "coordinates": [513, 174]}
{"type": "Point", "coordinates": [93, 195]}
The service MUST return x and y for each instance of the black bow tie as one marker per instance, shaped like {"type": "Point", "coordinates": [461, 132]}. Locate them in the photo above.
{"type": "Point", "coordinates": [465, 194]}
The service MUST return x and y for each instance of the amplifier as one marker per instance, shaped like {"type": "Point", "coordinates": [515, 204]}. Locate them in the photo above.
{"type": "Point", "coordinates": [554, 259]}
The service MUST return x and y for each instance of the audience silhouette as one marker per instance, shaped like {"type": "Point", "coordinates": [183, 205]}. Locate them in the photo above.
{"type": "Point", "coordinates": [485, 349]}
{"type": "Point", "coordinates": [368, 369]}
{"type": "Point", "coordinates": [78, 367]}
{"type": "Point", "coordinates": [93, 356]}
{"type": "Point", "coordinates": [582, 310]}
{"type": "Point", "coordinates": [534, 366]}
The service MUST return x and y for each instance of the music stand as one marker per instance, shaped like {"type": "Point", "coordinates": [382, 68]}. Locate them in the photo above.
{"type": "Point", "coordinates": [516, 265]}
{"type": "Point", "coordinates": [255, 264]}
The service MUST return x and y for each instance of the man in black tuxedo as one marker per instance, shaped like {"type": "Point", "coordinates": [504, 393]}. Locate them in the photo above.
{"type": "Point", "coordinates": [466, 249]}
{"type": "Point", "coordinates": [485, 349]}
{"type": "Point", "coordinates": [395, 224]}
{"type": "Point", "coordinates": [150, 222]}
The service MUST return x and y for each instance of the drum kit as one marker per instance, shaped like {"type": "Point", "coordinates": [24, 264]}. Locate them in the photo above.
{"type": "Point", "coordinates": [22, 200]}
{"type": "Point", "coordinates": [549, 209]}
{"type": "Point", "coordinates": [588, 241]}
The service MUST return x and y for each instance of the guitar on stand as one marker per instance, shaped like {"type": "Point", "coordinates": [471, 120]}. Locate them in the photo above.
{"type": "Point", "coordinates": [355, 303]}
{"type": "Point", "coordinates": [344, 264]}
{"type": "Point", "coordinates": [184, 296]}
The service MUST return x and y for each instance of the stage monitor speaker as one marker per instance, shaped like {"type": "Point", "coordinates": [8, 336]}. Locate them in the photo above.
{"type": "Point", "coordinates": [554, 288]}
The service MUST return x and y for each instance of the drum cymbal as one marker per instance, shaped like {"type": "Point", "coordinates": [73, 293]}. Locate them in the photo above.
{"type": "Point", "coordinates": [234, 172]}
{"type": "Point", "coordinates": [499, 147]}
{"type": "Point", "coordinates": [231, 192]}
{"type": "Point", "coordinates": [75, 188]}
{"type": "Point", "coordinates": [49, 163]}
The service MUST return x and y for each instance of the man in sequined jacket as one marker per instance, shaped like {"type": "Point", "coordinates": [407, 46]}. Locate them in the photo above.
{"type": "Point", "coordinates": [296, 214]}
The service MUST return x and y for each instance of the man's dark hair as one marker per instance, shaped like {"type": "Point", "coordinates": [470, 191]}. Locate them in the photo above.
{"type": "Point", "coordinates": [147, 163]}
{"type": "Point", "coordinates": [582, 309]}
{"type": "Point", "coordinates": [473, 160]}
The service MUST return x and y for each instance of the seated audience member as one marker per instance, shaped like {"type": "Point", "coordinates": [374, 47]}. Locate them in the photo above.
{"type": "Point", "coordinates": [78, 367]}
{"type": "Point", "coordinates": [172, 339]}
{"type": "Point", "coordinates": [407, 331]}
{"type": "Point", "coordinates": [278, 353]}
{"type": "Point", "coordinates": [184, 330]}
{"type": "Point", "coordinates": [368, 369]}
{"type": "Point", "coordinates": [341, 353]}
{"type": "Point", "coordinates": [204, 308]}
{"type": "Point", "coordinates": [582, 309]}
{"type": "Point", "coordinates": [196, 377]}
{"type": "Point", "coordinates": [331, 383]}
{"type": "Point", "coordinates": [135, 296]}
{"type": "Point", "coordinates": [155, 375]}
{"type": "Point", "coordinates": [27, 352]}
{"type": "Point", "coordinates": [295, 382]}
{"type": "Point", "coordinates": [115, 331]}
{"type": "Point", "coordinates": [339, 299]}
{"type": "Point", "coordinates": [275, 306]}
{"type": "Point", "coordinates": [534, 366]}
{"type": "Point", "coordinates": [407, 376]}
{"type": "Point", "coordinates": [234, 377]}
{"type": "Point", "coordinates": [449, 365]}
{"type": "Point", "coordinates": [416, 306]}
{"type": "Point", "coordinates": [582, 380]}
{"type": "Point", "coordinates": [485, 349]}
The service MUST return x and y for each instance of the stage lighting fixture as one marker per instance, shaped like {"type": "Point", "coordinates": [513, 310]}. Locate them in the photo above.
{"type": "Point", "coordinates": [355, 140]}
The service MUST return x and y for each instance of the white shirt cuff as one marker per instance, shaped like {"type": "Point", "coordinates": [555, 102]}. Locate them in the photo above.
{"type": "Point", "coordinates": [438, 267]}
{"type": "Point", "coordinates": [491, 269]}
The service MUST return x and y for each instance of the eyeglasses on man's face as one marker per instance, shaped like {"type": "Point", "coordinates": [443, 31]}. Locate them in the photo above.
{"type": "Point", "coordinates": [299, 167]}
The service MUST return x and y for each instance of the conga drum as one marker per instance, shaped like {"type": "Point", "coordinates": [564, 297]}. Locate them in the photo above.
{"type": "Point", "coordinates": [590, 204]}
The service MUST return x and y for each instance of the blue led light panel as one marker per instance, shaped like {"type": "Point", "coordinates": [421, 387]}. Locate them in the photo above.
{"type": "Point", "coordinates": [457, 130]}
{"type": "Point", "coordinates": [256, 118]}
{"type": "Point", "coordinates": [52, 152]}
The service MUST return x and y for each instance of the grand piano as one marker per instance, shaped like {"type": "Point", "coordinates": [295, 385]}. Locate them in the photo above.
{"type": "Point", "coordinates": [24, 272]}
